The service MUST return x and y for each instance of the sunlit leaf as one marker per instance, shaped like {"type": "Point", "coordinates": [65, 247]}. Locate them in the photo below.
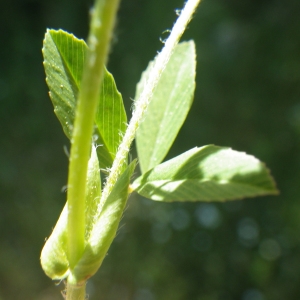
{"type": "Point", "coordinates": [169, 106]}
{"type": "Point", "coordinates": [111, 116]}
{"type": "Point", "coordinates": [63, 62]}
{"type": "Point", "coordinates": [209, 173]}
{"type": "Point", "coordinates": [64, 57]}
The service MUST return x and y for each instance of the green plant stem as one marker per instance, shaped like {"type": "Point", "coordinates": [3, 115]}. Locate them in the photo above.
{"type": "Point", "coordinates": [142, 103]}
{"type": "Point", "coordinates": [75, 292]}
{"type": "Point", "coordinates": [102, 22]}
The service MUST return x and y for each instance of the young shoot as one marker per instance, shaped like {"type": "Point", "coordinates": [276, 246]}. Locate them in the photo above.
{"type": "Point", "coordinates": [91, 112]}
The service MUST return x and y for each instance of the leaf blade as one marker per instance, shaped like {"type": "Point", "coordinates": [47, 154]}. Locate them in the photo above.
{"type": "Point", "coordinates": [64, 57]}
{"type": "Point", "coordinates": [209, 173]}
{"type": "Point", "coordinates": [168, 107]}
{"type": "Point", "coordinates": [62, 82]}
{"type": "Point", "coordinates": [111, 117]}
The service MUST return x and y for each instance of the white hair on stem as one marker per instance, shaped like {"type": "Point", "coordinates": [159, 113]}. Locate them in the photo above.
{"type": "Point", "coordinates": [142, 102]}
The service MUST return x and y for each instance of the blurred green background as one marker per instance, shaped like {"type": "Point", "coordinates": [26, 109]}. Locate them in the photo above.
{"type": "Point", "coordinates": [247, 97]}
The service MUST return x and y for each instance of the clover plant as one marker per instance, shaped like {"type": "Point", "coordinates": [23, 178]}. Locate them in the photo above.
{"type": "Point", "coordinates": [91, 112]}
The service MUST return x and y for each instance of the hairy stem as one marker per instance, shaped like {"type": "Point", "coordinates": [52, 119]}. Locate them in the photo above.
{"type": "Point", "coordinates": [75, 292]}
{"type": "Point", "coordinates": [102, 22]}
{"type": "Point", "coordinates": [141, 104]}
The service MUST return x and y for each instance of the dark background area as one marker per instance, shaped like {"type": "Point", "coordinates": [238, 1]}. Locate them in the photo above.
{"type": "Point", "coordinates": [247, 97]}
